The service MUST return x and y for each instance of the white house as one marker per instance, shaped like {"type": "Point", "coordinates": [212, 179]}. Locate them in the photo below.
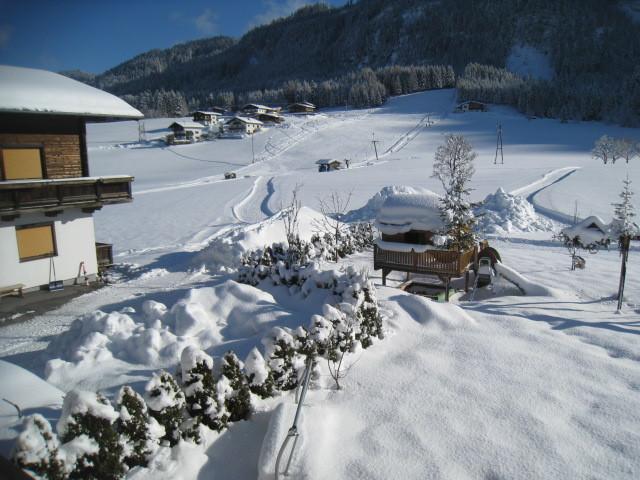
{"type": "Point", "coordinates": [185, 132]}
{"type": "Point", "coordinates": [255, 109]}
{"type": "Point", "coordinates": [47, 196]}
{"type": "Point", "coordinates": [207, 118]}
{"type": "Point", "coordinates": [243, 125]}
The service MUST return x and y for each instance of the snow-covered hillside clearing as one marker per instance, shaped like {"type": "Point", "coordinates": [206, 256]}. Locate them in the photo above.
{"type": "Point", "coordinates": [505, 386]}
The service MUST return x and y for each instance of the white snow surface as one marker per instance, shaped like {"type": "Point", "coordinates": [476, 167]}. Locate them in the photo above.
{"type": "Point", "coordinates": [30, 90]}
{"type": "Point", "coordinates": [402, 212]}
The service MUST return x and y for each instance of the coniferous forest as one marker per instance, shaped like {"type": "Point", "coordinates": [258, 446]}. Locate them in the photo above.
{"type": "Point", "coordinates": [367, 50]}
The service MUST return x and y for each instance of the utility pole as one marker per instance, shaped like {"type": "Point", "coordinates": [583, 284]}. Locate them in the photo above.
{"type": "Point", "coordinates": [142, 134]}
{"type": "Point", "coordinates": [253, 152]}
{"type": "Point", "coordinates": [499, 147]}
{"type": "Point", "coordinates": [625, 243]}
{"type": "Point", "coordinates": [375, 142]}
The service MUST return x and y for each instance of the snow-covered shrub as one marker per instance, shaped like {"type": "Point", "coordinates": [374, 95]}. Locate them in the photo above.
{"type": "Point", "coordinates": [139, 433]}
{"type": "Point", "coordinates": [258, 374]}
{"type": "Point", "coordinates": [283, 357]}
{"type": "Point", "coordinates": [239, 402]}
{"type": "Point", "coordinates": [88, 420]}
{"type": "Point", "coordinates": [201, 391]}
{"type": "Point", "coordinates": [37, 449]}
{"type": "Point", "coordinates": [166, 403]}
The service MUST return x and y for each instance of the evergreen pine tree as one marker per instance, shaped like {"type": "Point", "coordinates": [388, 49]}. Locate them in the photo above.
{"type": "Point", "coordinates": [90, 414]}
{"type": "Point", "coordinates": [139, 432]}
{"type": "Point", "coordinates": [259, 375]}
{"type": "Point", "coordinates": [453, 166]}
{"type": "Point", "coordinates": [37, 449]}
{"type": "Point", "coordinates": [166, 403]}
{"type": "Point", "coordinates": [239, 402]}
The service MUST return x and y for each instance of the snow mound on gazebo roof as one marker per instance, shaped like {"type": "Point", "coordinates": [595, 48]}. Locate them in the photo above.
{"type": "Point", "coordinates": [30, 90]}
{"type": "Point", "coordinates": [402, 212]}
{"type": "Point", "coordinates": [589, 231]}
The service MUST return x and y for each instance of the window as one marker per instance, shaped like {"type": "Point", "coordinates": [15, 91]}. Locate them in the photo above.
{"type": "Point", "coordinates": [36, 241]}
{"type": "Point", "coordinates": [21, 163]}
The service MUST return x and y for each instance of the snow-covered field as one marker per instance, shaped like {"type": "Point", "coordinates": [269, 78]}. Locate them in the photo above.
{"type": "Point", "coordinates": [543, 385]}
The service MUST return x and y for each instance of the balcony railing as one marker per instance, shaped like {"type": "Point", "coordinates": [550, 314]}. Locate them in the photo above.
{"type": "Point", "coordinates": [17, 196]}
{"type": "Point", "coordinates": [435, 262]}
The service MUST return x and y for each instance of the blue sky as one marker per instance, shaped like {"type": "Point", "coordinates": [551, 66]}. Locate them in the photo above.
{"type": "Point", "coordinates": [95, 35]}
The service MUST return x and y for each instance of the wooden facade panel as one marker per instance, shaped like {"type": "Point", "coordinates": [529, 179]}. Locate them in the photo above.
{"type": "Point", "coordinates": [63, 155]}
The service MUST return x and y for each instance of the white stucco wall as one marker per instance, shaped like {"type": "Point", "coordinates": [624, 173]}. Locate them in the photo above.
{"type": "Point", "coordinates": [75, 241]}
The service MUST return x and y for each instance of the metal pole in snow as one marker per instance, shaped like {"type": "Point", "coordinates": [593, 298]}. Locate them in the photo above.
{"type": "Point", "coordinates": [253, 153]}
{"type": "Point", "coordinates": [626, 241]}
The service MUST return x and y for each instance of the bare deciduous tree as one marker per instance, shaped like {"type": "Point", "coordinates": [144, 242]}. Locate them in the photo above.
{"type": "Point", "coordinates": [333, 209]}
{"type": "Point", "coordinates": [605, 149]}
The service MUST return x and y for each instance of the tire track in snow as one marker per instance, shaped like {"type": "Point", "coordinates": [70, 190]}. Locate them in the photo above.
{"type": "Point", "coordinates": [531, 198]}
{"type": "Point", "coordinates": [237, 208]}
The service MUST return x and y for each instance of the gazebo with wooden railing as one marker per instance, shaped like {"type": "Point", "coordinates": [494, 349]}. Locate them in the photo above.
{"type": "Point", "coordinates": [408, 223]}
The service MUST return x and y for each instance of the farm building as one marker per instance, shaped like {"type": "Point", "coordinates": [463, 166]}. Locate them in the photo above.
{"type": "Point", "coordinates": [47, 196]}
{"type": "Point", "coordinates": [409, 226]}
{"type": "Point", "coordinates": [185, 132]}
{"type": "Point", "coordinates": [206, 117]}
{"type": "Point", "coordinates": [302, 107]}
{"type": "Point", "coordinates": [471, 106]}
{"type": "Point", "coordinates": [243, 125]}
{"type": "Point", "coordinates": [327, 165]}
{"type": "Point", "coordinates": [269, 118]}
{"type": "Point", "coordinates": [255, 109]}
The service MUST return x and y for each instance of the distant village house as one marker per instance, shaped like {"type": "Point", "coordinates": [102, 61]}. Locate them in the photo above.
{"type": "Point", "coordinates": [471, 106]}
{"type": "Point", "coordinates": [243, 125]}
{"type": "Point", "coordinates": [255, 109]}
{"type": "Point", "coordinates": [269, 118]}
{"type": "Point", "coordinates": [206, 117]}
{"type": "Point", "coordinates": [185, 132]}
{"type": "Point", "coordinates": [302, 107]}
{"type": "Point", "coordinates": [327, 165]}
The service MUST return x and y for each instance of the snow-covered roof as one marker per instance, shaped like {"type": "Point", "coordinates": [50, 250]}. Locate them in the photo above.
{"type": "Point", "coordinates": [188, 125]}
{"type": "Point", "coordinates": [403, 212]}
{"type": "Point", "coordinates": [256, 105]}
{"type": "Point", "coordinates": [28, 90]}
{"type": "Point", "coordinates": [304, 104]}
{"type": "Point", "coordinates": [327, 161]}
{"type": "Point", "coordinates": [204, 112]}
{"type": "Point", "coordinates": [590, 230]}
{"type": "Point", "coordinates": [246, 120]}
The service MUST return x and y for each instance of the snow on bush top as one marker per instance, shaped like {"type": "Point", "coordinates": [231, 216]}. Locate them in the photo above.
{"type": "Point", "coordinates": [38, 91]}
{"type": "Point", "coordinates": [83, 403]}
{"type": "Point", "coordinates": [192, 356]}
{"type": "Point", "coordinates": [502, 213]}
{"type": "Point", "coordinates": [370, 210]}
{"type": "Point", "coordinates": [228, 249]}
{"type": "Point", "coordinates": [402, 212]}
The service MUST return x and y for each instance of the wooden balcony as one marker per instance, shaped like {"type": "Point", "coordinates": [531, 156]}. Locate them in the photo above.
{"type": "Point", "coordinates": [442, 263]}
{"type": "Point", "coordinates": [52, 196]}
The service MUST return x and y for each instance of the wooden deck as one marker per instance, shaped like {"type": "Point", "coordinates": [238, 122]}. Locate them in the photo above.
{"type": "Point", "coordinates": [446, 264]}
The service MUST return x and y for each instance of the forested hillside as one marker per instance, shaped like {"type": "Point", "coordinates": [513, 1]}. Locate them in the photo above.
{"type": "Point", "coordinates": [321, 53]}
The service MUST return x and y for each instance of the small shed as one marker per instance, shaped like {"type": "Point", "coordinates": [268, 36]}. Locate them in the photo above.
{"type": "Point", "coordinates": [302, 107]}
{"type": "Point", "coordinates": [243, 125]}
{"type": "Point", "coordinates": [471, 106]}
{"type": "Point", "coordinates": [328, 164]}
{"type": "Point", "coordinates": [206, 117]}
{"type": "Point", "coordinates": [185, 132]}
{"type": "Point", "coordinates": [410, 240]}
{"type": "Point", "coordinates": [590, 231]}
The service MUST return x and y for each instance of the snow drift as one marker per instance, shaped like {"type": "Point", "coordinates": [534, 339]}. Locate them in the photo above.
{"type": "Point", "coordinates": [503, 213]}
